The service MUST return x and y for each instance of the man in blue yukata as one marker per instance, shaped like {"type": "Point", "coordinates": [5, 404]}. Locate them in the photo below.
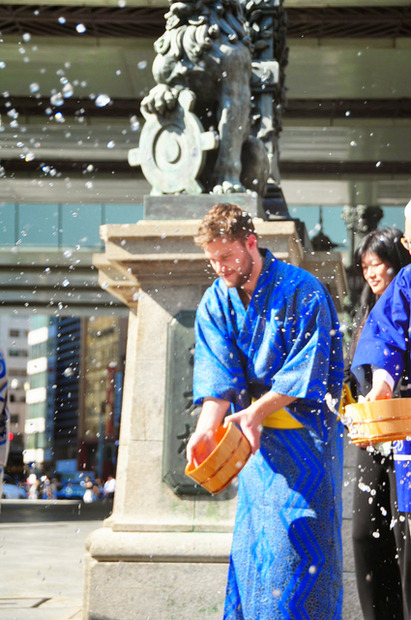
{"type": "Point", "coordinates": [384, 349]}
{"type": "Point", "coordinates": [268, 357]}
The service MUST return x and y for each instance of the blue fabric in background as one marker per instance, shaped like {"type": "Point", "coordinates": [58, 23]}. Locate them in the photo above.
{"type": "Point", "coordinates": [402, 462]}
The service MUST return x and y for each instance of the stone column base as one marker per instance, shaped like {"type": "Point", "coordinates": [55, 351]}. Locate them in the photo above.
{"type": "Point", "coordinates": [156, 575]}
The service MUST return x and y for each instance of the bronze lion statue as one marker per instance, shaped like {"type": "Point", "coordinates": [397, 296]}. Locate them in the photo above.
{"type": "Point", "coordinates": [206, 49]}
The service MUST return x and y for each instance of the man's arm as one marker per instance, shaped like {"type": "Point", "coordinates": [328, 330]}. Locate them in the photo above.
{"type": "Point", "coordinates": [202, 441]}
{"type": "Point", "coordinates": [251, 418]}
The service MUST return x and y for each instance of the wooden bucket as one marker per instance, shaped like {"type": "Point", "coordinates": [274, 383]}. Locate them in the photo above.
{"type": "Point", "coordinates": [378, 421]}
{"type": "Point", "coordinates": [225, 462]}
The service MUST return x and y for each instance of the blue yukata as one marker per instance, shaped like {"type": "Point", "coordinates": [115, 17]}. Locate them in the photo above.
{"type": "Point", "coordinates": [286, 556]}
{"type": "Point", "coordinates": [384, 343]}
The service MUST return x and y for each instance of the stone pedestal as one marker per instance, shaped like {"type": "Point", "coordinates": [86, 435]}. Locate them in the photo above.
{"type": "Point", "coordinates": [161, 555]}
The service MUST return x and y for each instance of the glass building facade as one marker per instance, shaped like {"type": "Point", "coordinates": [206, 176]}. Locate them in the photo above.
{"type": "Point", "coordinates": [56, 226]}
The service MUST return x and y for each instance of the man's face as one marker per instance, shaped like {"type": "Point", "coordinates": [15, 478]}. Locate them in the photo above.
{"type": "Point", "coordinates": [231, 260]}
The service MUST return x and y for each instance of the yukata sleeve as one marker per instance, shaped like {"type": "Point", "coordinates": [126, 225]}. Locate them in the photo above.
{"type": "Point", "coordinates": [313, 363]}
{"type": "Point", "coordinates": [218, 368]}
{"type": "Point", "coordinates": [384, 342]}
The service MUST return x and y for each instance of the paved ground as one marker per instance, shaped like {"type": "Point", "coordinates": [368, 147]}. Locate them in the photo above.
{"type": "Point", "coordinates": [42, 546]}
{"type": "Point", "coordinates": [42, 550]}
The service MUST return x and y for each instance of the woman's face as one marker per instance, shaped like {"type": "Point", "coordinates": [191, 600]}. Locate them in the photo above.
{"type": "Point", "coordinates": [376, 273]}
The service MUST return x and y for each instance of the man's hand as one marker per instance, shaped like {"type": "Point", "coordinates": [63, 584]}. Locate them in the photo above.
{"type": "Point", "coordinates": [200, 446]}
{"type": "Point", "coordinates": [251, 419]}
{"type": "Point", "coordinates": [202, 442]}
{"type": "Point", "coordinates": [251, 425]}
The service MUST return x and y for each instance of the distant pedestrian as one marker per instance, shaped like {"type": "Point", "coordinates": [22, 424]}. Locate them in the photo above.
{"type": "Point", "coordinates": [109, 487]}
{"type": "Point", "coordinates": [48, 488]}
{"type": "Point", "coordinates": [33, 484]}
{"type": "Point", "coordinates": [89, 495]}
{"type": "Point", "coordinates": [98, 488]}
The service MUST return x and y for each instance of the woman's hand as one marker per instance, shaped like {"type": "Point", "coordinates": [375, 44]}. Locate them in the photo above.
{"type": "Point", "coordinates": [380, 391]}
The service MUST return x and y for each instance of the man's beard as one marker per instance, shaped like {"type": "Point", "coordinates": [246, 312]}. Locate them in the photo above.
{"type": "Point", "coordinates": [239, 278]}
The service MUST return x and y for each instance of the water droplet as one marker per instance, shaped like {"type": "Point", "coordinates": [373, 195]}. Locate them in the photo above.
{"type": "Point", "coordinates": [34, 87]}
{"type": "Point", "coordinates": [102, 100]}
{"type": "Point", "coordinates": [13, 113]}
{"type": "Point", "coordinates": [61, 20]}
{"type": "Point", "coordinates": [142, 65]}
{"type": "Point", "coordinates": [65, 282]}
{"type": "Point", "coordinates": [26, 37]}
{"type": "Point", "coordinates": [2, 64]}
{"type": "Point", "coordinates": [111, 144]}
{"type": "Point", "coordinates": [56, 99]}
{"type": "Point", "coordinates": [81, 28]}
{"type": "Point", "coordinates": [67, 90]}
{"type": "Point", "coordinates": [134, 123]}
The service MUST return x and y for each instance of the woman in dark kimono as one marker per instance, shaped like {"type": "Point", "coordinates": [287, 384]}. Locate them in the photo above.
{"type": "Point", "coordinates": [379, 531]}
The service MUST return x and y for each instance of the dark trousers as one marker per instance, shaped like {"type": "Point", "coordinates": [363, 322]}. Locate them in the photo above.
{"type": "Point", "coordinates": [382, 541]}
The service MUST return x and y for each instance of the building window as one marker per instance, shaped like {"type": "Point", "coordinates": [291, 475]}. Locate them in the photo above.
{"type": "Point", "coordinates": [18, 352]}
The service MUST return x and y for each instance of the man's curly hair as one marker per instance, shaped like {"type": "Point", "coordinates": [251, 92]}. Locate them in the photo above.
{"type": "Point", "coordinates": [224, 220]}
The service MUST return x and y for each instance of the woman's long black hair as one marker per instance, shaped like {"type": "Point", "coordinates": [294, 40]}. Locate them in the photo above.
{"type": "Point", "coordinates": [386, 244]}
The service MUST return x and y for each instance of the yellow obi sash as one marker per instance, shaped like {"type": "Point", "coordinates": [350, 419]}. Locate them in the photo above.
{"type": "Point", "coordinates": [281, 419]}
{"type": "Point", "coordinates": [346, 398]}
